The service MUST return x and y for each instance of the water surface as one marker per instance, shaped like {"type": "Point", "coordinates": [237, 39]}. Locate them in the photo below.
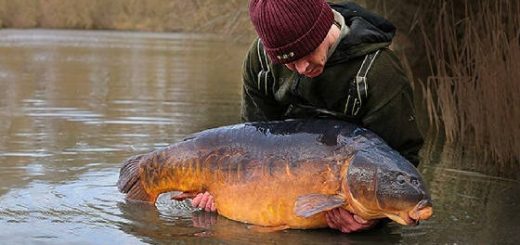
{"type": "Point", "coordinates": [75, 104]}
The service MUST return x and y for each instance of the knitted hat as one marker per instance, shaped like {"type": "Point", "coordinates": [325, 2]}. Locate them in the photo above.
{"type": "Point", "coordinates": [290, 29]}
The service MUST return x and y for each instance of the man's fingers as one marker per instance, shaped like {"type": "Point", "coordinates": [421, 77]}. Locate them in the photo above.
{"type": "Point", "coordinates": [335, 218]}
{"type": "Point", "coordinates": [330, 216]}
{"type": "Point", "coordinates": [196, 200]}
{"type": "Point", "coordinates": [345, 216]}
{"type": "Point", "coordinates": [330, 222]}
{"type": "Point", "coordinates": [360, 220]}
{"type": "Point", "coordinates": [213, 207]}
{"type": "Point", "coordinates": [200, 200]}
{"type": "Point", "coordinates": [203, 200]}
{"type": "Point", "coordinates": [345, 229]}
{"type": "Point", "coordinates": [209, 202]}
{"type": "Point", "coordinates": [183, 195]}
{"type": "Point", "coordinates": [347, 222]}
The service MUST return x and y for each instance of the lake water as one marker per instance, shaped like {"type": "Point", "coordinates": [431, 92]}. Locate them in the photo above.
{"type": "Point", "coordinates": [75, 104]}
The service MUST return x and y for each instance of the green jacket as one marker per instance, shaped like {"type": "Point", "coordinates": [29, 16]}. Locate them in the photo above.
{"type": "Point", "coordinates": [382, 103]}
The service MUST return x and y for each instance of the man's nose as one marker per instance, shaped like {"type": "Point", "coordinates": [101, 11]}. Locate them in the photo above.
{"type": "Point", "coordinates": [301, 66]}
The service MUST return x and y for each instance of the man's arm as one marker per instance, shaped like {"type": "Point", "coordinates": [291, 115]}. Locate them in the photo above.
{"type": "Point", "coordinates": [258, 102]}
{"type": "Point", "coordinates": [391, 110]}
{"type": "Point", "coordinates": [395, 122]}
{"type": "Point", "coordinates": [389, 113]}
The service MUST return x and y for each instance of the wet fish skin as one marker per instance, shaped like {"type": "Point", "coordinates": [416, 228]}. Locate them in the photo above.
{"type": "Point", "coordinates": [257, 171]}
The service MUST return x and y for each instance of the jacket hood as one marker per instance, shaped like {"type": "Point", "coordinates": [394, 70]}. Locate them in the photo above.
{"type": "Point", "coordinates": [368, 33]}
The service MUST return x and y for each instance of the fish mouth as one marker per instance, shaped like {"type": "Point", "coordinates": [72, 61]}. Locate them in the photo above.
{"type": "Point", "coordinates": [403, 219]}
{"type": "Point", "coordinates": [422, 211]}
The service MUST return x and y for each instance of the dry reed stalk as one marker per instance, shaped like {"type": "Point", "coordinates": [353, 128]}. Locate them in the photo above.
{"type": "Point", "coordinates": [474, 90]}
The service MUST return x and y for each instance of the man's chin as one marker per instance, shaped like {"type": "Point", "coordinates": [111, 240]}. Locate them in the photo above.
{"type": "Point", "coordinates": [314, 73]}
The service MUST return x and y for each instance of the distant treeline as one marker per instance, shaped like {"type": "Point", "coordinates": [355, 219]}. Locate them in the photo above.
{"type": "Point", "coordinates": [218, 16]}
{"type": "Point", "coordinates": [229, 17]}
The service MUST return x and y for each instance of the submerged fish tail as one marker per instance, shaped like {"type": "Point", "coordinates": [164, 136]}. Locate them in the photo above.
{"type": "Point", "coordinates": [145, 177]}
{"type": "Point", "coordinates": [130, 180]}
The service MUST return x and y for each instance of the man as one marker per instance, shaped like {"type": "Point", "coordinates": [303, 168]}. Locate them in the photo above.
{"type": "Point", "coordinates": [313, 59]}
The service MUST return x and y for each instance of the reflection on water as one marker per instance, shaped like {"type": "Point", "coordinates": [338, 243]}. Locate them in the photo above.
{"type": "Point", "coordinates": [74, 105]}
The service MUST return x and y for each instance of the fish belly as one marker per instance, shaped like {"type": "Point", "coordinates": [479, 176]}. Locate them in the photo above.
{"type": "Point", "coordinates": [267, 199]}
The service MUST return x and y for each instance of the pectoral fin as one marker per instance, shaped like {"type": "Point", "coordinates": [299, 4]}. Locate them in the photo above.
{"type": "Point", "coordinates": [312, 204]}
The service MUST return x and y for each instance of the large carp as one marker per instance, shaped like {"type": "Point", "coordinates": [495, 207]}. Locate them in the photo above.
{"type": "Point", "coordinates": [284, 173]}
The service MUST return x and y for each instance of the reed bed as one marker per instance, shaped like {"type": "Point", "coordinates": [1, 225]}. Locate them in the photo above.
{"type": "Point", "coordinates": [473, 90]}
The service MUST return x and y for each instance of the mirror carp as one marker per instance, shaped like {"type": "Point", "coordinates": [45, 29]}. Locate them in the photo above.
{"type": "Point", "coordinates": [284, 173]}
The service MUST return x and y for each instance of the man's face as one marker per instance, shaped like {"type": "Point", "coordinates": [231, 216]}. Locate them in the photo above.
{"type": "Point", "coordinates": [311, 65]}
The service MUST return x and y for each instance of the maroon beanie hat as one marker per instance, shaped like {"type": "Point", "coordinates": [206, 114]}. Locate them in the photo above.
{"type": "Point", "coordinates": [290, 29]}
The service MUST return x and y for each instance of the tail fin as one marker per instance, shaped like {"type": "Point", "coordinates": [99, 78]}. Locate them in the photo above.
{"type": "Point", "coordinates": [130, 180]}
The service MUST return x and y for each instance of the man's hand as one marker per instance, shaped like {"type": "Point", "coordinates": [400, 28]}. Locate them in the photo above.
{"type": "Point", "coordinates": [346, 222]}
{"type": "Point", "coordinates": [204, 201]}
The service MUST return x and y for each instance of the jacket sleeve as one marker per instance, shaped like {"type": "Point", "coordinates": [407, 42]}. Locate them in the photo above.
{"type": "Point", "coordinates": [392, 113]}
{"type": "Point", "coordinates": [257, 104]}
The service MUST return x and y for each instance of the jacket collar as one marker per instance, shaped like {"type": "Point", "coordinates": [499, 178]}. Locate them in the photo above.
{"type": "Point", "coordinates": [367, 32]}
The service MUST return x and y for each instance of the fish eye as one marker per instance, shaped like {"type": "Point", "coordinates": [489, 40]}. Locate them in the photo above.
{"type": "Point", "coordinates": [401, 179]}
{"type": "Point", "coordinates": [414, 181]}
